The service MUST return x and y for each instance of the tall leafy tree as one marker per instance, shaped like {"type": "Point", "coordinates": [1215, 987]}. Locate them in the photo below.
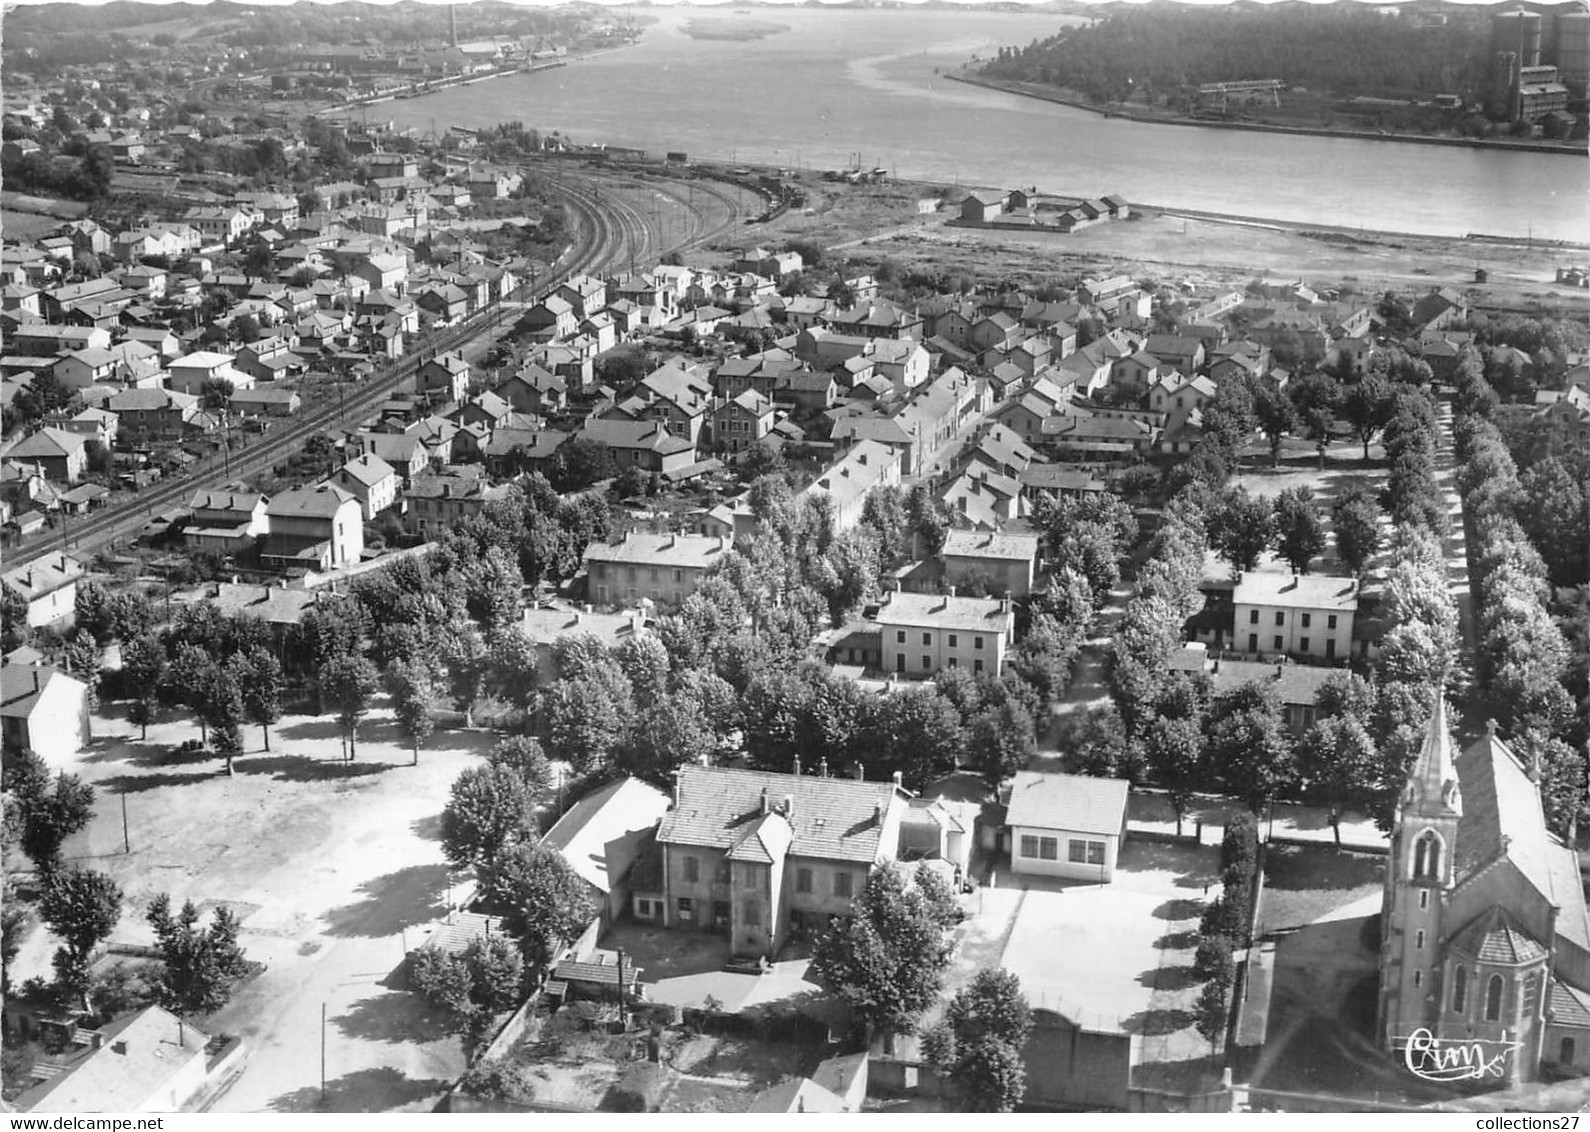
{"type": "Point", "coordinates": [1300, 532]}
{"type": "Point", "coordinates": [1242, 528]}
{"type": "Point", "coordinates": [543, 901]}
{"type": "Point", "coordinates": [1357, 522]}
{"type": "Point", "coordinates": [1367, 406]}
{"type": "Point", "coordinates": [189, 682]}
{"type": "Point", "coordinates": [989, 1019]}
{"type": "Point", "coordinates": [348, 681]}
{"type": "Point", "coordinates": [203, 965]}
{"type": "Point", "coordinates": [259, 675]}
{"type": "Point", "coordinates": [887, 958]}
{"type": "Point", "coordinates": [1337, 762]}
{"type": "Point", "coordinates": [143, 665]}
{"type": "Point", "coordinates": [1248, 745]}
{"type": "Point", "coordinates": [1174, 752]}
{"type": "Point", "coordinates": [412, 686]}
{"type": "Point", "coordinates": [1000, 741]}
{"type": "Point", "coordinates": [82, 908]}
{"type": "Point", "coordinates": [50, 809]}
{"type": "Point", "coordinates": [490, 810]}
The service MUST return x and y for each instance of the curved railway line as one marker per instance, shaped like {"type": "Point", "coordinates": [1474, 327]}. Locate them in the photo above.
{"type": "Point", "coordinates": [610, 233]}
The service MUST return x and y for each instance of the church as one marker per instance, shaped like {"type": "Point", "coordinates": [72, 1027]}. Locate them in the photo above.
{"type": "Point", "coordinates": [1484, 932]}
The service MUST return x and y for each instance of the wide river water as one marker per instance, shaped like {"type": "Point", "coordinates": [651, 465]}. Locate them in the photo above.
{"type": "Point", "coordinates": [849, 85]}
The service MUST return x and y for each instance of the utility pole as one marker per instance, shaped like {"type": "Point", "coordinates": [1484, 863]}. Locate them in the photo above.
{"type": "Point", "coordinates": [322, 1055]}
{"type": "Point", "coordinates": [126, 839]}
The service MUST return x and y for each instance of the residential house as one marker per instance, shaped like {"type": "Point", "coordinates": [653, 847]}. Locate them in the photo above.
{"type": "Point", "coordinates": [316, 528]}
{"type": "Point", "coordinates": [664, 568]}
{"type": "Point", "coordinates": [1001, 563]}
{"type": "Point", "coordinates": [1439, 309]}
{"type": "Point", "coordinates": [983, 205]}
{"type": "Point", "coordinates": [226, 521]}
{"type": "Point", "coordinates": [926, 633]}
{"type": "Point", "coordinates": [838, 1084]}
{"type": "Point", "coordinates": [61, 455]}
{"type": "Point", "coordinates": [552, 319]}
{"type": "Point", "coordinates": [49, 588]}
{"type": "Point", "coordinates": [585, 294]}
{"type": "Point", "coordinates": [370, 480]}
{"type": "Point", "coordinates": [43, 710]}
{"type": "Point", "coordinates": [1066, 825]}
{"type": "Point", "coordinates": [601, 835]}
{"type": "Point", "coordinates": [1295, 614]}
{"type": "Point", "coordinates": [742, 422]}
{"type": "Point", "coordinates": [762, 856]}
{"type": "Point", "coordinates": [1175, 393]}
{"type": "Point", "coordinates": [192, 372]}
{"type": "Point", "coordinates": [1098, 437]}
{"type": "Point", "coordinates": [647, 445]}
{"type": "Point", "coordinates": [443, 378]}
{"type": "Point", "coordinates": [149, 417]}
{"type": "Point", "coordinates": [548, 621]}
{"type": "Point", "coordinates": [438, 502]}
{"type": "Point", "coordinates": [535, 390]}
{"type": "Point", "coordinates": [145, 1062]}
{"type": "Point", "coordinates": [1179, 352]}
{"type": "Point", "coordinates": [846, 483]}
{"type": "Point", "coordinates": [265, 402]}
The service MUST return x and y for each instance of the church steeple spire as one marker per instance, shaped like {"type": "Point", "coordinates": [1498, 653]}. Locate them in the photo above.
{"type": "Point", "coordinates": [1432, 789]}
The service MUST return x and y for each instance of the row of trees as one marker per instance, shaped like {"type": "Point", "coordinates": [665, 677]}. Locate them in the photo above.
{"type": "Point", "coordinates": [1523, 657]}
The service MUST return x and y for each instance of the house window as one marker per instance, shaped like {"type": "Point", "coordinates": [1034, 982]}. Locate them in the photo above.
{"type": "Point", "coordinates": [1330, 648]}
{"type": "Point", "coordinates": [1253, 617]}
{"type": "Point", "coordinates": [955, 641]}
{"type": "Point", "coordinates": [1418, 978]}
{"type": "Point", "coordinates": [977, 666]}
{"type": "Point", "coordinates": [654, 573]}
{"type": "Point", "coordinates": [1095, 852]}
{"type": "Point", "coordinates": [1424, 898]}
{"type": "Point", "coordinates": [679, 575]}
{"type": "Point", "coordinates": [692, 870]}
{"type": "Point", "coordinates": [803, 880]}
{"type": "Point", "coordinates": [1493, 999]}
{"type": "Point", "coordinates": [723, 872]}
{"type": "Point", "coordinates": [899, 637]}
{"type": "Point", "coordinates": [1280, 619]}
{"type": "Point", "coordinates": [1330, 621]}
{"type": "Point", "coordinates": [977, 642]}
{"type": "Point", "coordinates": [629, 573]}
{"type": "Point", "coordinates": [643, 908]}
{"type": "Point", "coordinates": [952, 663]}
{"type": "Point", "coordinates": [1427, 857]}
{"type": "Point", "coordinates": [842, 882]}
{"type": "Point", "coordinates": [1077, 852]}
{"type": "Point", "coordinates": [927, 662]}
{"type": "Point", "coordinates": [1029, 846]}
{"type": "Point", "coordinates": [1418, 941]}
{"type": "Point", "coordinates": [1460, 990]}
{"type": "Point", "coordinates": [1280, 642]}
{"type": "Point", "coordinates": [1048, 848]}
{"type": "Point", "coordinates": [752, 913]}
{"type": "Point", "coordinates": [927, 638]}
{"type": "Point", "coordinates": [1302, 644]}
{"type": "Point", "coordinates": [1307, 619]}
{"type": "Point", "coordinates": [687, 909]}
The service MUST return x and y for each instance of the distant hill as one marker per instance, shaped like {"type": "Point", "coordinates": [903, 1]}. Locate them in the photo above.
{"type": "Point", "coordinates": [1162, 49]}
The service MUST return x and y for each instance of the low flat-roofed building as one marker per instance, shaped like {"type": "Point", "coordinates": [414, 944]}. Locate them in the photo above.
{"type": "Point", "coordinates": [1066, 825]}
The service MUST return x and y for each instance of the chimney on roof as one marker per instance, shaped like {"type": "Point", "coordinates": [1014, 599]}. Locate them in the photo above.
{"type": "Point", "coordinates": [822, 767]}
{"type": "Point", "coordinates": [119, 1047]}
{"type": "Point", "coordinates": [795, 765]}
{"type": "Point", "coordinates": [861, 773]}
{"type": "Point", "coordinates": [899, 781]}
{"type": "Point", "coordinates": [1490, 729]}
{"type": "Point", "coordinates": [764, 800]}
{"type": "Point", "coordinates": [952, 591]}
{"type": "Point", "coordinates": [789, 807]}
{"type": "Point", "coordinates": [877, 812]}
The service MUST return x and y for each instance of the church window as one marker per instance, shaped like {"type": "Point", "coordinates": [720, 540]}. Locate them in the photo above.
{"type": "Point", "coordinates": [1427, 857]}
{"type": "Point", "coordinates": [1493, 999]}
{"type": "Point", "coordinates": [1418, 978]}
{"type": "Point", "coordinates": [1460, 989]}
{"type": "Point", "coordinates": [1418, 941]}
{"type": "Point", "coordinates": [1424, 898]}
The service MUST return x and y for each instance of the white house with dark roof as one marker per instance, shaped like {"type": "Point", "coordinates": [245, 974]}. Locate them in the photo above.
{"type": "Point", "coordinates": [1296, 614]}
{"type": "Point", "coordinates": [43, 710]}
{"type": "Point", "coordinates": [49, 586]}
{"type": "Point", "coordinates": [147, 1061]}
{"type": "Point", "coordinates": [1066, 825]}
{"type": "Point", "coordinates": [924, 633]}
{"type": "Point", "coordinates": [758, 854]}
{"type": "Point", "coordinates": [61, 455]}
{"type": "Point", "coordinates": [317, 528]}
{"type": "Point", "coordinates": [371, 480]}
{"type": "Point", "coordinates": [868, 465]}
{"type": "Point", "coordinates": [190, 372]}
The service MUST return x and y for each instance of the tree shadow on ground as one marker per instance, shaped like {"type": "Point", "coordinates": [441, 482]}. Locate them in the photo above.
{"type": "Point", "coordinates": [1151, 1023]}
{"type": "Point", "coordinates": [1177, 941]}
{"type": "Point", "coordinates": [394, 1016]}
{"type": "Point", "coordinates": [1169, 978]}
{"type": "Point", "coordinates": [1194, 867]}
{"type": "Point", "coordinates": [402, 899]}
{"type": "Point", "coordinates": [307, 768]}
{"type": "Point", "coordinates": [1179, 910]}
{"type": "Point", "coordinates": [365, 1090]}
{"type": "Point", "coordinates": [427, 829]}
{"type": "Point", "coordinates": [139, 783]}
{"type": "Point", "coordinates": [1186, 1075]}
{"type": "Point", "coordinates": [311, 729]}
{"type": "Point", "coordinates": [1298, 868]}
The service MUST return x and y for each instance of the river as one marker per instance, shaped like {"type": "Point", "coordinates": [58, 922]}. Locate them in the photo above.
{"type": "Point", "coordinates": [853, 85]}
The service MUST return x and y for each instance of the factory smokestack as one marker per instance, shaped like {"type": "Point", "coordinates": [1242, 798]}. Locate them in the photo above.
{"type": "Point", "coordinates": [452, 26]}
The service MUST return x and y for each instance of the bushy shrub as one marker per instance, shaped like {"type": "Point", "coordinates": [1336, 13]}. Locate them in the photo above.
{"type": "Point", "coordinates": [1213, 960]}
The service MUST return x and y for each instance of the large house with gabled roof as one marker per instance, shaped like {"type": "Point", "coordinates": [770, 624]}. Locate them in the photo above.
{"type": "Point", "coordinates": [761, 855]}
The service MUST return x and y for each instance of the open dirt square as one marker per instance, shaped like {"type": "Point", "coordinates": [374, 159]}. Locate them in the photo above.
{"type": "Point", "coordinates": [331, 866]}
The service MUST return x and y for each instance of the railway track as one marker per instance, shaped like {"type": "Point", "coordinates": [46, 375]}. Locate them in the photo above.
{"type": "Point", "coordinates": [610, 232]}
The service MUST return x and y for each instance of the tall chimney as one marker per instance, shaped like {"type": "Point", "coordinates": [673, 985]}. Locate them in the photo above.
{"type": "Point", "coordinates": [861, 773]}
{"type": "Point", "coordinates": [452, 26]}
{"type": "Point", "coordinates": [899, 780]}
{"type": "Point", "coordinates": [764, 799]}
{"type": "Point", "coordinates": [795, 765]}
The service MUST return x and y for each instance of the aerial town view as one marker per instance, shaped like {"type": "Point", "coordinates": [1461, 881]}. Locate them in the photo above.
{"type": "Point", "coordinates": [795, 557]}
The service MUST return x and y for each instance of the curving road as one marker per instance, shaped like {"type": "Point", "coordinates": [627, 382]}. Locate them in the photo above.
{"type": "Point", "coordinates": [611, 233]}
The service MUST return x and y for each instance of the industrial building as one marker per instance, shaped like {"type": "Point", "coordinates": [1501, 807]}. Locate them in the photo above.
{"type": "Point", "coordinates": [1540, 63]}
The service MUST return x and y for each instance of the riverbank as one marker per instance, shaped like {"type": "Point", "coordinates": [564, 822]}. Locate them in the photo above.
{"type": "Point", "coordinates": [1119, 110]}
